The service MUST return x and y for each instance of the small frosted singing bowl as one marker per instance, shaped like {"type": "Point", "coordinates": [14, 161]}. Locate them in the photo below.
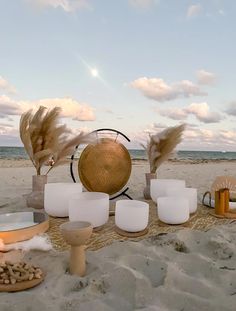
{"type": "Point", "coordinates": [131, 215]}
{"type": "Point", "coordinates": [159, 186]}
{"type": "Point", "coordinates": [90, 206]}
{"type": "Point", "coordinates": [56, 197]}
{"type": "Point", "coordinates": [188, 193]}
{"type": "Point", "coordinates": [173, 210]}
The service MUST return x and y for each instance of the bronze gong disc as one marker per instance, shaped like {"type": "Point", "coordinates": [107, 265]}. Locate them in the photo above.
{"type": "Point", "coordinates": [104, 166]}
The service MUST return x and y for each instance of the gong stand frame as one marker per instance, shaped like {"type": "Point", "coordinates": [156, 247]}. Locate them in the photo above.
{"type": "Point", "coordinates": [122, 193]}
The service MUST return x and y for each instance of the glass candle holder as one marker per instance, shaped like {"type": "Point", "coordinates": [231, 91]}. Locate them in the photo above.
{"type": "Point", "coordinates": [160, 186]}
{"type": "Point", "coordinates": [90, 206]}
{"type": "Point", "coordinates": [173, 210]}
{"type": "Point", "coordinates": [56, 197]}
{"type": "Point", "coordinates": [131, 215]}
{"type": "Point", "coordinates": [188, 193]}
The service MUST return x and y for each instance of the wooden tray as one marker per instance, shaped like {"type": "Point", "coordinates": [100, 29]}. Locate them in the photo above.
{"type": "Point", "coordinates": [21, 226]}
{"type": "Point", "coordinates": [21, 285]}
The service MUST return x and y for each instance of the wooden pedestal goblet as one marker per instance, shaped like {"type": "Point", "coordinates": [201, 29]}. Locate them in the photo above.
{"type": "Point", "coordinates": [76, 234]}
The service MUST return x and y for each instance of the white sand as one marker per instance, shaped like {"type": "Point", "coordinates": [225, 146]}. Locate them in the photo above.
{"type": "Point", "coordinates": [189, 270]}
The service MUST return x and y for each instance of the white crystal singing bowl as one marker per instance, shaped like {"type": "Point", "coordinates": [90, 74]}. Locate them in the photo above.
{"type": "Point", "coordinates": [173, 210]}
{"type": "Point", "coordinates": [188, 193]}
{"type": "Point", "coordinates": [131, 215]}
{"type": "Point", "coordinates": [159, 186]}
{"type": "Point", "coordinates": [90, 206]}
{"type": "Point", "coordinates": [56, 197]}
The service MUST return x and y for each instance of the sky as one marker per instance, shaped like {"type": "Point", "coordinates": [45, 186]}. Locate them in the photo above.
{"type": "Point", "coordinates": [137, 66]}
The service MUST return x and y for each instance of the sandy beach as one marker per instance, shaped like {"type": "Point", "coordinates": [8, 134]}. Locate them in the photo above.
{"type": "Point", "coordinates": [153, 274]}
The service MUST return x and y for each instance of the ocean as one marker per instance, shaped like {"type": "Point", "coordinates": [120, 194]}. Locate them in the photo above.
{"type": "Point", "coordinates": [19, 153]}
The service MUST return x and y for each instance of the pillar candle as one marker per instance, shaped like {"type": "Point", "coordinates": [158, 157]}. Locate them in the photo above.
{"type": "Point", "coordinates": [226, 192]}
{"type": "Point", "coordinates": [217, 202]}
{"type": "Point", "coordinates": [222, 202]}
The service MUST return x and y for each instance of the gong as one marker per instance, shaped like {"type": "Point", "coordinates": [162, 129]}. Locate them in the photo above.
{"type": "Point", "coordinates": [104, 166]}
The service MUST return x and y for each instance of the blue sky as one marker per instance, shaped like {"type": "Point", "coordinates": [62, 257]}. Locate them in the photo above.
{"type": "Point", "coordinates": [160, 63]}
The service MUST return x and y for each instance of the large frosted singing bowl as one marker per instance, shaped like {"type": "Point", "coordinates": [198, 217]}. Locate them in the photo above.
{"type": "Point", "coordinates": [56, 197]}
{"type": "Point", "coordinates": [188, 193]}
{"type": "Point", "coordinates": [159, 187]}
{"type": "Point", "coordinates": [131, 215]}
{"type": "Point", "coordinates": [90, 206]}
{"type": "Point", "coordinates": [173, 210]}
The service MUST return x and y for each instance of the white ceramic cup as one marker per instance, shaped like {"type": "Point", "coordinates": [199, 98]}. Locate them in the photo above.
{"type": "Point", "coordinates": [56, 197]}
{"type": "Point", "coordinates": [159, 187]}
{"type": "Point", "coordinates": [188, 193]}
{"type": "Point", "coordinates": [90, 206]}
{"type": "Point", "coordinates": [131, 215]}
{"type": "Point", "coordinates": [173, 210]}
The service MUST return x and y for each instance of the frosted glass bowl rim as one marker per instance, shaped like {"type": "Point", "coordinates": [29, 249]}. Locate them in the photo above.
{"type": "Point", "coordinates": [131, 204]}
{"type": "Point", "coordinates": [90, 196]}
{"type": "Point", "coordinates": [172, 198]}
{"type": "Point", "coordinates": [171, 180]}
{"type": "Point", "coordinates": [54, 184]}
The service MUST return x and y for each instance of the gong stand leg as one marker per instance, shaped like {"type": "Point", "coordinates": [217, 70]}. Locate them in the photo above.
{"type": "Point", "coordinates": [121, 194]}
{"type": "Point", "coordinates": [71, 169]}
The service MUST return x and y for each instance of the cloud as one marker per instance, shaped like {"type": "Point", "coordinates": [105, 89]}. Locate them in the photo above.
{"type": "Point", "coordinates": [194, 10]}
{"type": "Point", "coordinates": [174, 113]}
{"type": "Point", "coordinates": [208, 139]}
{"type": "Point", "coordinates": [66, 5]}
{"type": "Point", "coordinates": [9, 135]}
{"type": "Point", "coordinates": [143, 4]}
{"type": "Point", "coordinates": [6, 86]}
{"type": "Point", "coordinates": [203, 113]}
{"type": "Point", "coordinates": [5, 125]}
{"type": "Point", "coordinates": [205, 77]}
{"type": "Point", "coordinates": [200, 110]}
{"type": "Point", "coordinates": [70, 107]}
{"type": "Point", "coordinates": [221, 12]}
{"type": "Point", "coordinates": [232, 109]}
{"type": "Point", "coordinates": [193, 138]}
{"type": "Point", "coordinates": [9, 107]}
{"type": "Point", "coordinates": [159, 90]}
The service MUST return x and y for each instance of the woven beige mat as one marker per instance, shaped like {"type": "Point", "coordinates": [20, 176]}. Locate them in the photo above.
{"type": "Point", "coordinates": [201, 220]}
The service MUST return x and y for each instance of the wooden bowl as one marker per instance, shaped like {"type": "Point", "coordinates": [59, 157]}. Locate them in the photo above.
{"type": "Point", "coordinates": [21, 285]}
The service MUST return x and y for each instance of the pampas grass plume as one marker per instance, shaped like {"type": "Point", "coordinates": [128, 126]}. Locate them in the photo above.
{"type": "Point", "coordinates": [44, 139]}
{"type": "Point", "coordinates": [160, 145]}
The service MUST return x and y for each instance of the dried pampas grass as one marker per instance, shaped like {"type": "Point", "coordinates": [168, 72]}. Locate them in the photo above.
{"type": "Point", "coordinates": [162, 144]}
{"type": "Point", "coordinates": [44, 139]}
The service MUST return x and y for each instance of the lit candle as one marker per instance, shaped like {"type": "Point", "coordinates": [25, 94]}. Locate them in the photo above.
{"type": "Point", "coordinates": [226, 191]}
{"type": "Point", "coordinates": [219, 202]}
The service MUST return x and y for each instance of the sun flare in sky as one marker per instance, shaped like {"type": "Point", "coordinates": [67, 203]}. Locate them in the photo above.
{"type": "Point", "coordinates": [94, 72]}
